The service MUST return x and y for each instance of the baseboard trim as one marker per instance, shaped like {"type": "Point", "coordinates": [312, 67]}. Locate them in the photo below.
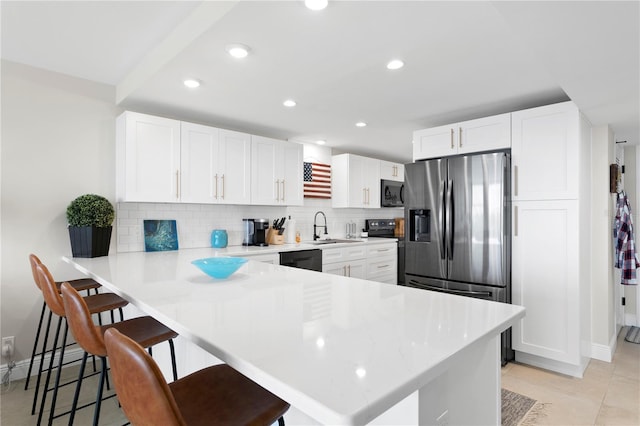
{"type": "Point", "coordinates": [20, 370]}
{"type": "Point", "coordinates": [553, 365]}
{"type": "Point", "coordinates": [604, 352]}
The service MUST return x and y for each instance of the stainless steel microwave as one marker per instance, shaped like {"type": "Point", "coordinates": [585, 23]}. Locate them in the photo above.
{"type": "Point", "coordinates": [391, 193]}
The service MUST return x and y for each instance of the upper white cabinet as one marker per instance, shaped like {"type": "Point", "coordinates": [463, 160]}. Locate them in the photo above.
{"type": "Point", "coordinates": [482, 134]}
{"type": "Point", "coordinates": [147, 158]}
{"type": "Point", "coordinates": [544, 152]}
{"type": "Point", "coordinates": [277, 172]}
{"type": "Point", "coordinates": [164, 160]}
{"type": "Point", "coordinates": [391, 171]}
{"type": "Point", "coordinates": [355, 181]}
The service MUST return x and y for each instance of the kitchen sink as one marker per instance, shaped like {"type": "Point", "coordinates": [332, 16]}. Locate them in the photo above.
{"type": "Point", "coordinates": [333, 241]}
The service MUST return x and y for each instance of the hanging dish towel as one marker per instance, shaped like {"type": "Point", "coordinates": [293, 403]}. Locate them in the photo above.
{"type": "Point", "coordinates": [624, 242]}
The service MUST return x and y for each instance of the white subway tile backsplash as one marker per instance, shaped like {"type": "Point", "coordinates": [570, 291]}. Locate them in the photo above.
{"type": "Point", "coordinates": [196, 221]}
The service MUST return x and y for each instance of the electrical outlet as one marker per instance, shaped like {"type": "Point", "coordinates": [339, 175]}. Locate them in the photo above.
{"type": "Point", "coordinates": [7, 346]}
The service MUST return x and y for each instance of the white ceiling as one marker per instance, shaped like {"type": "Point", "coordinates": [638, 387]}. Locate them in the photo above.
{"type": "Point", "coordinates": [463, 60]}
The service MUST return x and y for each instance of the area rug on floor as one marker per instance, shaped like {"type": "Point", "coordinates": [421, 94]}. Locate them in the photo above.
{"type": "Point", "coordinates": [633, 335]}
{"type": "Point", "coordinates": [514, 407]}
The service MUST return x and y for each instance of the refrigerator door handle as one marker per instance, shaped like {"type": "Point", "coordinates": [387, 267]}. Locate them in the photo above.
{"type": "Point", "coordinates": [449, 224]}
{"type": "Point", "coordinates": [441, 220]}
{"type": "Point", "coordinates": [413, 283]}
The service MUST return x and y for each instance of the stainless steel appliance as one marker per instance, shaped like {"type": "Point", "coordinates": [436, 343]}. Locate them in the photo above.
{"type": "Point", "coordinates": [391, 193]}
{"type": "Point", "coordinates": [248, 232]}
{"type": "Point", "coordinates": [458, 228]}
{"type": "Point", "coordinates": [304, 259]}
{"type": "Point", "coordinates": [386, 228]}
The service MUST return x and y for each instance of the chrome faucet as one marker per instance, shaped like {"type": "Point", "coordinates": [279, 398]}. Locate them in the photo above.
{"type": "Point", "coordinates": [315, 227]}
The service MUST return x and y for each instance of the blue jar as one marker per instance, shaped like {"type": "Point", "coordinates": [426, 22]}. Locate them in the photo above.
{"type": "Point", "coordinates": [219, 238]}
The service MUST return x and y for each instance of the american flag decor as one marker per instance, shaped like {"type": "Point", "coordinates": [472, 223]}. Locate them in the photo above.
{"type": "Point", "coordinates": [317, 180]}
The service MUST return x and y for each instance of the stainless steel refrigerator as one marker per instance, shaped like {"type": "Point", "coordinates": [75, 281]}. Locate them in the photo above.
{"type": "Point", "coordinates": [458, 227]}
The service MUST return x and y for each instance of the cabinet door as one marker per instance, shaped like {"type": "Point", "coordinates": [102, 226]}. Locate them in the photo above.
{"type": "Point", "coordinates": [234, 167]}
{"type": "Point", "coordinates": [371, 182]}
{"type": "Point", "coordinates": [434, 142]}
{"type": "Point", "coordinates": [357, 188]}
{"type": "Point", "coordinates": [544, 152]}
{"type": "Point", "coordinates": [545, 279]}
{"type": "Point", "coordinates": [391, 171]}
{"type": "Point", "coordinates": [338, 268]}
{"type": "Point", "coordinates": [152, 158]}
{"type": "Point", "coordinates": [292, 174]}
{"type": "Point", "coordinates": [357, 269]}
{"type": "Point", "coordinates": [265, 183]}
{"type": "Point", "coordinates": [484, 134]}
{"type": "Point", "coordinates": [198, 158]}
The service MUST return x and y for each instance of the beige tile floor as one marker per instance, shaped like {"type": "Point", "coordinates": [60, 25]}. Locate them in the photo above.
{"type": "Point", "coordinates": [609, 394]}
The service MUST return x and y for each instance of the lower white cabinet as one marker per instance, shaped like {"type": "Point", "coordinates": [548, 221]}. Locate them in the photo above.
{"type": "Point", "coordinates": [547, 281]}
{"type": "Point", "coordinates": [382, 263]}
{"type": "Point", "coordinates": [346, 261]}
{"type": "Point", "coordinates": [273, 258]}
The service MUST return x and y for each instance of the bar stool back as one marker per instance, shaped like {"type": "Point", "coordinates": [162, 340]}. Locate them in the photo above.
{"type": "Point", "coordinates": [216, 395]}
{"type": "Point", "coordinates": [145, 330]}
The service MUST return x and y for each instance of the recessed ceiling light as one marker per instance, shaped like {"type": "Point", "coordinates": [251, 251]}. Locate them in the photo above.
{"type": "Point", "coordinates": [191, 83]}
{"type": "Point", "coordinates": [289, 103]}
{"type": "Point", "coordinates": [361, 124]}
{"type": "Point", "coordinates": [238, 50]}
{"type": "Point", "coordinates": [321, 142]}
{"type": "Point", "coordinates": [395, 64]}
{"type": "Point", "coordinates": [316, 4]}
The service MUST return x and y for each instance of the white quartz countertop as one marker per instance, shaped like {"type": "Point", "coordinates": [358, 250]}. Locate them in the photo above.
{"type": "Point", "coordinates": [342, 350]}
{"type": "Point", "coordinates": [304, 245]}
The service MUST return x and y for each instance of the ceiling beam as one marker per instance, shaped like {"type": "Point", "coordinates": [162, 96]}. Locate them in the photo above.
{"type": "Point", "coordinates": [200, 20]}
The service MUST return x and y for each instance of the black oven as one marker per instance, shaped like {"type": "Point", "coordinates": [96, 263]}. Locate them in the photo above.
{"type": "Point", "coordinates": [391, 193]}
{"type": "Point", "coordinates": [386, 228]}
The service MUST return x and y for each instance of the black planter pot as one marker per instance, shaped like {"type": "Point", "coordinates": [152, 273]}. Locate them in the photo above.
{"type": "Point", "coordinates": [89, 241]}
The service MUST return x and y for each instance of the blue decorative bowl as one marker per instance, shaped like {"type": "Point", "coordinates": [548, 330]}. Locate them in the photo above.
{"type": "Point", "coordinates": [219, 267]}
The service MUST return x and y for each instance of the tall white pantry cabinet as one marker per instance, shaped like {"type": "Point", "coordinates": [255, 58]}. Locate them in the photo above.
{"type": "Point", "coordinates": [551, 159]}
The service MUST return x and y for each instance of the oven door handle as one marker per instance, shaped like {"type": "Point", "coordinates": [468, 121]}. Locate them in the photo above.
{"type": "Point", "coordinates": [451, 291]}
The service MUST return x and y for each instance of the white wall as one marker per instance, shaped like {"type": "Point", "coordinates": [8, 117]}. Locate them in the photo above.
{"type": "Point", "coordinates": [57, 143]}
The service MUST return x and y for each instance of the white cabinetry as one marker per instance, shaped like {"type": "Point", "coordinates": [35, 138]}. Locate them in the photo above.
{"type": "Point", "coordinates": [550, 241]}
{"type": "Point", "coordinates": [391, 171]}
{"type": "Point", "coordinates": [355, 181]}
{"type": "Point", "coordinates": [147, 158]}
{"type": "Point", "coordinates": [215, 165]}
{"type": "Point", "coordinates": [164, 160]}
{"type": "Point", "coordinates": [382, 263]}
{"type": "Point", "coordinates": [277, 172]}
{"type": "Point", "coordinates": [482, 134]}
{"type": "Point", "coordinates": [346, 261]}
{"type": "Point", "coordinates": [272, 258]}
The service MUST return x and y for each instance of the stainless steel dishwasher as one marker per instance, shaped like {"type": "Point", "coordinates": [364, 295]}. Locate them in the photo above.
{"type": "Point", "coordinates": [303, 259]}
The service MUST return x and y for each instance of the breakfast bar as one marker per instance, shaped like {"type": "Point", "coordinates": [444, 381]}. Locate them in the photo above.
{"type": "Point", "coordinates": [341, 350]}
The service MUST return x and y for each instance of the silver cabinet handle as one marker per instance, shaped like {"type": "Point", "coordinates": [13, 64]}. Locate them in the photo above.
{"type": "Point", "coordinates": [382, 266]}
{"type": "Point", "coordinates": [452, 145]}
{"type": "Point", "coordinates": [364, 195]}
{"type": "Point", "coordinates": [216, 194]}
{"type": "Point", "coordinates": [349, 269]}
{"type": "Point", "coordinates": [177, 184]}
{"type": "Point", "coordinates": [222, 187]}
{"type": "Point", "coordinates": [515, 180]}
{"type": "Point", "coordinates": [515, 221]}
{"type": "Point", "coordinates": [460, 137]}
{"type": "Point", "coordinates": [283, 191]}
{"type": "Point", "coordinates": [278, 190]}
{"type": "Point", "coordinates": [344, 271]}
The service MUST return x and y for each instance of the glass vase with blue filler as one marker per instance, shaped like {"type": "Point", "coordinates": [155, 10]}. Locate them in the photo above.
{"type": "Point", "coordinates": [219, 238]}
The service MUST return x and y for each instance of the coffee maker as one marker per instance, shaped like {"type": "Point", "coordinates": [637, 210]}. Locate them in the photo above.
{"type": "Point", "coordinates": [255, 232]}
{"type": "Point", "coordinates": [260, 226]}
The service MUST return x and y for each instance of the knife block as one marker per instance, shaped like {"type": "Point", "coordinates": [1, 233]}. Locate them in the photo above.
{"type": "Point", "coordinates": [274, 238]}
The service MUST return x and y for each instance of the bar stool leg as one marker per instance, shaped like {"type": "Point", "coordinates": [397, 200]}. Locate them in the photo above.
{"type": "Point", "coordinates": [103, 373]}
{"type": "Point", "coordinates": [48, 378]}
{"type": "Point", "coordinates": [54, 397]}
{"type": "Point", "coordinates": [35, 346]}
{"type": "Point", "coordinates": [40, 369]}
{"type": "Point", "coordinates": [78, 386]}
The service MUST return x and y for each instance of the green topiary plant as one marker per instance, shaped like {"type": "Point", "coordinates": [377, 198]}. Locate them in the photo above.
{"type": "Point", "coordinates": [90, 210]}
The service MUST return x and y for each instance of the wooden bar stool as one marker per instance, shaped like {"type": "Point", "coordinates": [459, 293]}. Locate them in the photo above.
{"type": "Point", "coordinates": [82, 284]}
{"type": "Point", "coordinates": [145, 330]}
{"type": "Point", "coordinates": [98, 303]}
{"type": "Point", "coordinates": [216, 395]}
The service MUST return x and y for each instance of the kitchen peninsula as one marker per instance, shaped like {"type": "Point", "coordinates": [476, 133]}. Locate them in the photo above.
{"type": "Point", "coordinates": [341, 350]}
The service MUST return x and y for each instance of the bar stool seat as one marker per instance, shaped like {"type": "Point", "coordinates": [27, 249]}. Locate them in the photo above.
{"type": "Point", "coordinates": [216, 395]}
